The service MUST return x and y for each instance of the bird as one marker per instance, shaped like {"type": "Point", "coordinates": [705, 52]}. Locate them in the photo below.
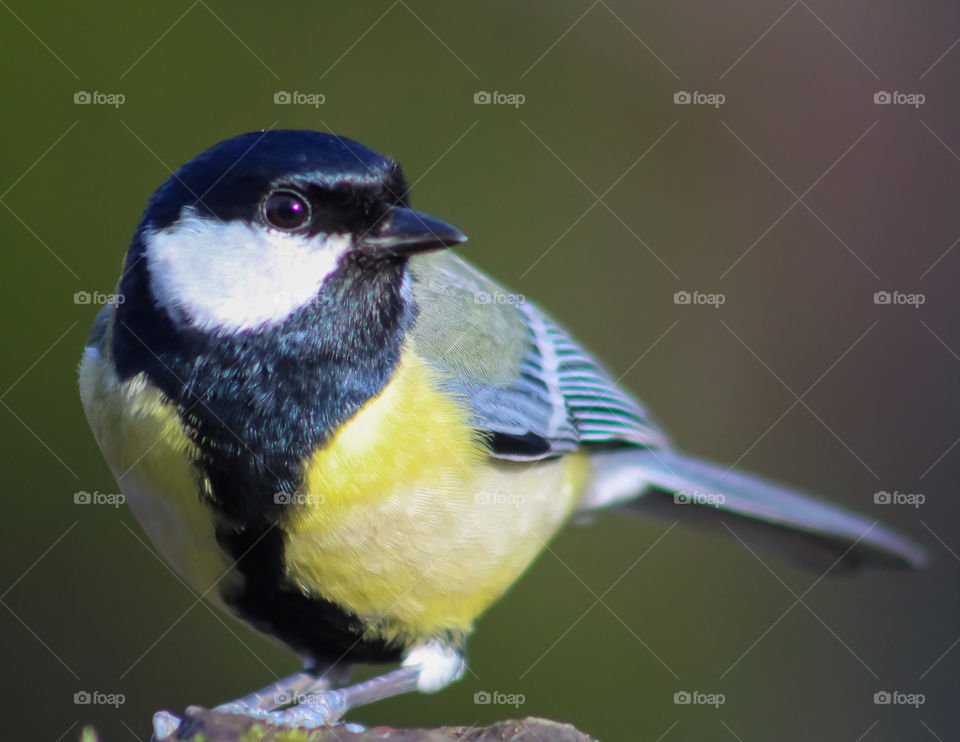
{"type": "Point", "coordinates": [343, 434]}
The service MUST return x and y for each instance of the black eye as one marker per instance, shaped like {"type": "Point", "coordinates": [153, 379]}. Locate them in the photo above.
{"type": "Point", "coordinates": [286, 210]}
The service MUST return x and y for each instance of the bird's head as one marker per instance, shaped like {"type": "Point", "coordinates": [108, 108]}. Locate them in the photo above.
{"type": "Point", "coordinates": [261, 225]}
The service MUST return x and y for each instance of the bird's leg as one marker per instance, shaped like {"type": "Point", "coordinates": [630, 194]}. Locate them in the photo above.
{"type": "Point", "coordinates": [427, 668]}
{"type": "Point", "coordinates": [276, 695]}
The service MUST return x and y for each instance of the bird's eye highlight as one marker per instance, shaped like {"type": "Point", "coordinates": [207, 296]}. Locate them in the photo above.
{"type": "Point", "coordinates": [286, 210]}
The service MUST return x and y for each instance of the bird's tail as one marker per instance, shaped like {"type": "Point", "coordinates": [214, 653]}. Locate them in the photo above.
{"type": "Point", "coordinates": [667, 485]}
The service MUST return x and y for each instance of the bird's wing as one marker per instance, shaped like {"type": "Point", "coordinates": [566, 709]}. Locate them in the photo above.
{"type": "Point", "coordinates": [529, 385]}
{"type": "Point", "coordinates": [538, 394]}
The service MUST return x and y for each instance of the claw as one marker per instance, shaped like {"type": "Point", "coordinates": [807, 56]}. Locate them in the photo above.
{"type": "Point", "coordinates": [164, 724]}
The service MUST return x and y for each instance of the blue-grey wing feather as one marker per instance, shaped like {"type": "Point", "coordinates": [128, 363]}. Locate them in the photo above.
{"type": "Point", "coordinates": [521, 374]}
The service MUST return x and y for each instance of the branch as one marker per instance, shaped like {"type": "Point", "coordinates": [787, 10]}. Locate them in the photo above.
{"type": "Point", "coordinates": [202, 725]}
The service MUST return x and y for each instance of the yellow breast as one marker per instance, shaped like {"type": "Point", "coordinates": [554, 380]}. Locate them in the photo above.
{"type": "Point", "coordinates": [152, 458]}
{"type": "Point", "coordinates": [406, 521]}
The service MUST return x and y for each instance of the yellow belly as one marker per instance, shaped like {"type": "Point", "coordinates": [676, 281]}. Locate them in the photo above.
{"type": "Point", "coordinates": [406, 521]}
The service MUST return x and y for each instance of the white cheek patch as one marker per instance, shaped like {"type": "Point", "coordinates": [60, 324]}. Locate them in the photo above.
{"type": "Point", "coordinates": [234, 275]}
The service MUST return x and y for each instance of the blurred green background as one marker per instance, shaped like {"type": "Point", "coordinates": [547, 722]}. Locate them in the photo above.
{"type": "Point", "coordinates": [694, 198]}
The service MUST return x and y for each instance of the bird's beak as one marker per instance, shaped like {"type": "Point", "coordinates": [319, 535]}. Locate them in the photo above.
{"type": "Point", "coordinates": [403, 231]}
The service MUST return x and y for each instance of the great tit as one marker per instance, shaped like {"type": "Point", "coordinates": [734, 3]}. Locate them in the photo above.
{"type": "Point", "coordinates": [341, 433]}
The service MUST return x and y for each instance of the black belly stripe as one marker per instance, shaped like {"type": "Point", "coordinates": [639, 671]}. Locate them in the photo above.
{"type": "Point", "coordinates": [310, 626]}
{"type": "Point", "coordinates": [257, 404]}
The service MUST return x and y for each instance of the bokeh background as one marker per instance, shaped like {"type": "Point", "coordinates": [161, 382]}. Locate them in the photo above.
{"type": "Point", "coordinates": [796, 199]}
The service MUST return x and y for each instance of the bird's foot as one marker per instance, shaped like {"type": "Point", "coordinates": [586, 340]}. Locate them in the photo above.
{"type": "Point", "coordinates": [310, 710]}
